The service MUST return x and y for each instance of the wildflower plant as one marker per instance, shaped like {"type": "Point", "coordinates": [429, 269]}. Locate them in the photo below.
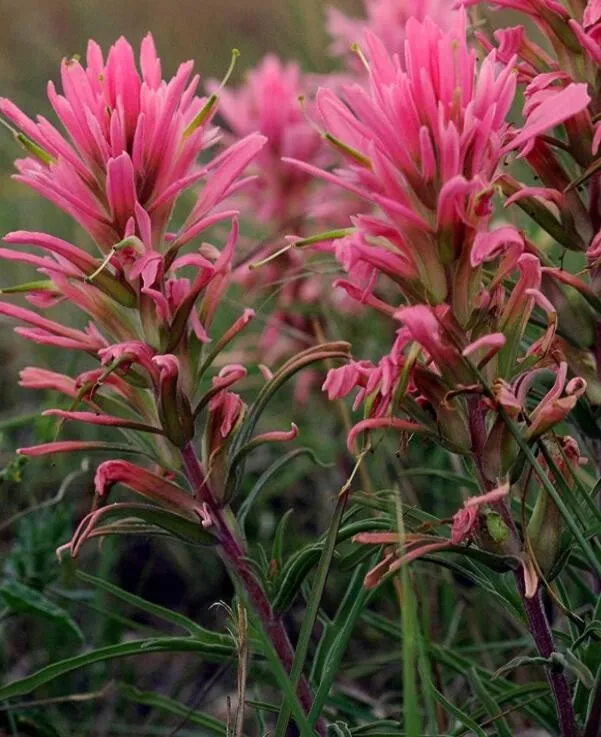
{"type": "Point", "coordinates": [450, 174]}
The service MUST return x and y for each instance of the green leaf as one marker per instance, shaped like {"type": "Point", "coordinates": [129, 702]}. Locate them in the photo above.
{"type": "Point", "coordinates": [379, 726]}
{"type": "Point", "coordinates": [289, 696]}
{"type": "Point", "coordinates": [593, 712]}
{"type": "Point", "coordinates": [24, 686]}
{"type": "Point", "coordinates": [302, 562]}
{"type": "Point", "coordinates": [412, 721]}
{"type": "Point", "coordinates": [339, 729]}
{"type": "Point", "coordinates": [211, 639]}
{"type": "Point", "coordinates": [459, 714]}
{"type": "Point", "coordinates": [319, 584]}
{"type": "Point", "coordinates": [277, 550]}
{"type": "Point", "coordinates": [519, 662]}
{"type": "Point", "coordinates": [172, 706]}
{"type": "Point", "coordinates": [317, 353]}
{"type": "Point", "coordinates": [263, 706]}
{"type": "Point", "coordinates": [266, 477]}
{"type": "Point", "coordinates": [25, 600]}
{"type": "Point", "coordinates": [591, 657]}
{"type": "Point", "coordinates": [338, 637]}
{"type": "Point", "coordinates": [573, 664]}
{"type": "Point", "coordinates": [489, 703]}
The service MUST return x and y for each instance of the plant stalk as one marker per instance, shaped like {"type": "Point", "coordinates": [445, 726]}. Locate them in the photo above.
{"type": "Point", "coordinates": [538, 624]}
{"type": "Point", "coordinates": [235, 559]}
{"type": "Point", "coordinates": [540, 630]}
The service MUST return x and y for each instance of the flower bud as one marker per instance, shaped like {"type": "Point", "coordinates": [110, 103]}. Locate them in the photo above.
{"type": "Point", "coordinates": [226, 413]}
{"type": "Point", "coordinates": [500, 451]}
{"type": "Point", "coordinates": [174, 407]}
{"type": "Point", "coordinates": [494, 536]}
{"type": "Point", "coordinates": [544, 531]}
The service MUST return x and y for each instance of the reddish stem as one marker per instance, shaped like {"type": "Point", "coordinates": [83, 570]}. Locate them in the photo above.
{"type": "Point", "coordinates": [235, 559]}
{"type": "Point", "coordinates": [538, 624]}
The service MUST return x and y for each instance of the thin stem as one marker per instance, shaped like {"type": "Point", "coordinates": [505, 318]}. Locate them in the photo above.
{"type": "Point", "coordinates": [538, 624]}
{"type": "Point", "coordinates": [540, 630]}
{"type": "Point", "coordinates": [235, 559]}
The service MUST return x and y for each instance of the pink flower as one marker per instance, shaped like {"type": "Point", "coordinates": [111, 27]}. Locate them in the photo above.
{"type": "Point", "coordinates": [62, 446]}
{"type": "Point", "coordinates": [96, 418]}
{"type": "Point", "coordinates": [553, 407]}
{"type": "Point", "coordinates": [416, 545]}
{"type": "Point", "coordinates": [138, 479]}
{"type": "Point", "coordinates": [546, 108]}
{"type": "Point", "coordinates": [131, 147]}
{"type": "Point", "coordinates": [131, 136]}
{"type": "Point", "coordinates": [33, 377]}
{"type": "Point", "coordinates": [268, 102]}
{"type": "Point", "coordinates": [514, 42]}
{"type": "Point", "coordinates": [387, 19]}
{"type": "Point", "coordinates": [423, 141]}
{"type": "Point", "coordinates": [48, 332]}
{"type": "Point", "coordinates": [464, 521]}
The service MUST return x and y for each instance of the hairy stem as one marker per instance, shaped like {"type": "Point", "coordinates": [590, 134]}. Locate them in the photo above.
{"type": "Point", "coordinates": [538, 624]}
{"type": "Point", "coordinates": [543, 638]}
{"type": "Point", "coordinates": [234, 557]}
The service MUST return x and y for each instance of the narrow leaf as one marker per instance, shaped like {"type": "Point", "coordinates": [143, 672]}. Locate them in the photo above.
{"type": "Point", "coordinates": [25, 600]}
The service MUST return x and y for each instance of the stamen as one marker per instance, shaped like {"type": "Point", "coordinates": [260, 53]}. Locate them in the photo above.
{"type": "Point", "coordinates": [29, 145]}
{"type": "Point", "coordinates": [328, 235]}
{"type": "Point", "coordinates": [349, 151]}
{"type": "Point", "coordinates": [207, 108]}
{"type": "Point", "coordinates": [272, 257]}
{"type": "Point", "coordinates": [45, 285]}
{"type": "Point", "coordinates": [131, 240]}
{"type": "Point", "coordinates": [356, 49]}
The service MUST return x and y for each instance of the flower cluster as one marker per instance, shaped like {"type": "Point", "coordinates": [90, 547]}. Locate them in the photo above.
{"type": "Point", "coordinates": [130, 150]}
{"type": "Point", "coordinates": [424, 141]}
{"type": "Point", "coordinates": [406, 160]}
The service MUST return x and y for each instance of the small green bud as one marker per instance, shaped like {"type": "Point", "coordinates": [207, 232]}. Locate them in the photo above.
{"type": "Point", "coordinates": [496, 528]}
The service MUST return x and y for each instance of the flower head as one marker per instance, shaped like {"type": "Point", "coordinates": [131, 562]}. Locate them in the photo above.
{"type": "Point", "coordinates": [422, 141]}
{"type": "Point", "coordinates": [387, 19]}
{"type": "Point", "coordinates": [269, 102]}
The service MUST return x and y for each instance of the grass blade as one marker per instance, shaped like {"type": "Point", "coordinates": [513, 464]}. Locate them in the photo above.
{"type": "Point", "coordinates": [26, 685]}
{"type": "Point", "coordinates": [310, 617]}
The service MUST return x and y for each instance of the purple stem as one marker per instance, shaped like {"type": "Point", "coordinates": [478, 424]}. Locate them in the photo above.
{"type": "Point", "coordinates": [538, 624]}
{"type": "Point", "coordinates": [234, 557]}
{"type": "Point", "coordinates": [543, 638]}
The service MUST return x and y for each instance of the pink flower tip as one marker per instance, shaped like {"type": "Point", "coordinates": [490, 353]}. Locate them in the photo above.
{"type": "Point", "coordinates": [278, 436]}
{"type": "Point", "coordinates": [168, 365]}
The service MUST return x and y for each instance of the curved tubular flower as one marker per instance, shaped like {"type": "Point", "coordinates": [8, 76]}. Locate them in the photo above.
{"type": "Point", "coordinates": [465, 525]}
{"type": "Point", "coordinates": [549, 15]}
{"type": "Point", "coordinates": [553, 407]}
{"type": "Point", "coordinates": [142, 481]}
